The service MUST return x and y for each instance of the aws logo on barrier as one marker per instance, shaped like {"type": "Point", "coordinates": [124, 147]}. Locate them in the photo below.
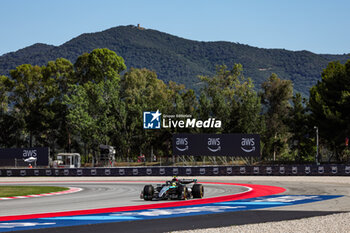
{"type": "Point", "coordinates": [182, 144]}
{"type": "Point", "coordinates": [29, 153]}
{"type": "Point", "coordinates": [248, 145]}
{"type": "Point", "coordinates": [214, 144]}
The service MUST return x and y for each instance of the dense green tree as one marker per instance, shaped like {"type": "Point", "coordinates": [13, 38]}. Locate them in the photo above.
{"type": "Point", "coordinates": [330, 106]}
{"type": "Point", "coordinates": [11, 131]}
{"type": "Point", "coordinates": [30, 98]}
{"type": "Point", "coordinates": [301, 142]}
{"type": "Point", "coordinates": [220, 90]}
{"type": "Point", "coordinates": [99, 65]}
{"type": "Point", "coordinates": [190, 102]}
{"type": "Point", "coordinates": [246, 115]}
{"type": "Point", "coordinates": [95, 110]}
{"type": "Point", "coordinates": [10, 126]}
{"type": "Point", "coordinates": [230, 97]}
{"type": "Point", "coordinates": [175, 92]}
{"type": "Point", "coordinates": [5, 87]}
{"type": "Point", "coordinates": [78, 116]}
{"type": "Point", "coordinates": [276, 96]}
{"type": "Point", "coordinates": [59, 75]}
{"type": "Point", "coordinates": [204, 108]}
{"type": "Point", "coordinates": [141, 91]}
{"type": "Point", "coordinates": [37, 101]}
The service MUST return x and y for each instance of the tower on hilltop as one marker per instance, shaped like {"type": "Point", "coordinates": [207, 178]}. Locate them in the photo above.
{"type": "Point", "coordinates": [139, 27]}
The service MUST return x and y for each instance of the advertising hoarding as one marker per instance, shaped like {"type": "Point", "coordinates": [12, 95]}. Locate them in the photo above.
{"type": "Point", "coordinates": [242, 145]}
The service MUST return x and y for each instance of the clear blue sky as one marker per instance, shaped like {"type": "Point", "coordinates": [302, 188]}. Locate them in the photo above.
{"type": "Point", "coordinates": [320, 26]}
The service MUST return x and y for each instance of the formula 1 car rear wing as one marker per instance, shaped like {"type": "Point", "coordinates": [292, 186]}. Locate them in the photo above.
{"type": "Point", "coordinates": [187, 181]}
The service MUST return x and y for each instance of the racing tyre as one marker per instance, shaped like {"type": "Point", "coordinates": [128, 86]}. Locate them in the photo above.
{"type": "Point", "coordinates": [148, 192]}
{"type": "Point", "coordinates": [197, 191]}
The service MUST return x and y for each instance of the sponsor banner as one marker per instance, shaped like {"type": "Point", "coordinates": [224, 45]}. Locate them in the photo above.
{"type": "Point", "coordinates": [242, 145]}
{"type": "Point", "coordinates": [265, 170]}
{"type": "Point", "coordinates": [34, 155]}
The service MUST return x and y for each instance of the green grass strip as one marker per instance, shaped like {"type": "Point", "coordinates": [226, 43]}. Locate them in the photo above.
{"type": "Point", "coordinates": [11, 191]}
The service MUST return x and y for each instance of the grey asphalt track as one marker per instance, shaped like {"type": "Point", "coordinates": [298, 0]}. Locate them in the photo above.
{"type": "Point", "coordinates": [117, 194]}
{"type": "Point", "coordinates": [94, 195]}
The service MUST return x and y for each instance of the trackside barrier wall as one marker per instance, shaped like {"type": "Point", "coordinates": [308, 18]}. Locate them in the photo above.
{"type": "Point", "coordinates": [281, 170]}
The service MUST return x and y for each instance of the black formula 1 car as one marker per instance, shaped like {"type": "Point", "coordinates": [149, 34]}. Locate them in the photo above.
{"type": "Point", "coordinates": [174, 189]}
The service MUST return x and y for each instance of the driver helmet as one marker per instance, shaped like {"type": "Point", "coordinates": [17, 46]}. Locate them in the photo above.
{"type": "Point", "coordinates": [174, 178]}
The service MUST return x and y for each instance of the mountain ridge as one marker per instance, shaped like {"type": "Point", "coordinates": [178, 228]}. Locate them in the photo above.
{"type": "Point", "coordinates": [179, 59]}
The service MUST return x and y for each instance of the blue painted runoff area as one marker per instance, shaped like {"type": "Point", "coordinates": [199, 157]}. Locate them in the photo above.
{"type": "Point", "coordinates": [218, 207]}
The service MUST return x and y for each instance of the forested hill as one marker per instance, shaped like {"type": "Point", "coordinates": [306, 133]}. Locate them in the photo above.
{"type": "Point", "coordinates": [179, 59]}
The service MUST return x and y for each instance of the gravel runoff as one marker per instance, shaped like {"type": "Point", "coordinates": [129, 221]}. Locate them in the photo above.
{"type": "Point", "coordinates": [332, 223]}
